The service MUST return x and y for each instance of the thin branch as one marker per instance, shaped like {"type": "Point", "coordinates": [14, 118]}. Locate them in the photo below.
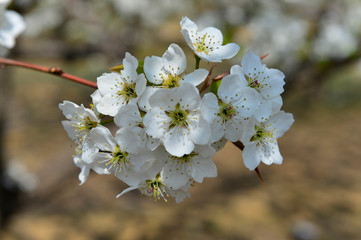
{"type": "Point", "coordinates": [52, 70]}
{"type": "Point", "coordinates": [206, 83]}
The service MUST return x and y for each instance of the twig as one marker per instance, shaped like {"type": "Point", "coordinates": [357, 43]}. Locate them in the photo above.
{"type": "Point", "coordinates": [52, 70]}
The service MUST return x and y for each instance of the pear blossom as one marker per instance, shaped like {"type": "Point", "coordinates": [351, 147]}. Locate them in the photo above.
{"type": "Point", "coordinates": [197, 165]}
{"type": "Point", "coordinates": [120, 157]}
{"type": "Point", "coordinates": [176, 120]}
{"type": "Point", "coordinates": [119, 89]}
{"type": "Point", "coordinates": [156, 188]}
{"type": "Point", "coordinates": [207, 43]}
{"type": "Point", "coordinates": [168, 71]}
{"type": "Point", "coordinates": [80, 121]}
{"type": "Point", "coordinates": [85, 161]}
{"type": "Point", "coordinates": [11, 25]}
{"type": "Point", "coordinates": [228, 113]}
{"type": "Point", "coordinates": [165, 133]}
{"type": "Point", "coordinates": [260, 141]}
{"type": "Point", "coordinates": [268, 83]}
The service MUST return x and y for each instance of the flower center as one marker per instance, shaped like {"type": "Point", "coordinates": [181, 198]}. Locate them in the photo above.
{"type": "Point", "coordinates": [89, 124]}
{"type": "Point", "coordinates": [171, 81]}
{"type": "Point", "coordinates": [226, 111]}
{"type": "Point", "coordinates": [119, 158]}
{"type": "Point", "coordinates": [178, 117]}
{"type": "Point", "coordinates": [203, 43]}
{"type": "Point", "coordinates": [261, 134]}
{"type": "Point", "coordinates": [255, 82]}
{"type": "Point", "coordinates": [154, 188]}
{"type": "Point", "coordinates": [128, 91]}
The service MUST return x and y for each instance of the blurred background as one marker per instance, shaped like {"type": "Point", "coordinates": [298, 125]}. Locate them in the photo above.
{"type": "Point", "coordinates": [315, 194]}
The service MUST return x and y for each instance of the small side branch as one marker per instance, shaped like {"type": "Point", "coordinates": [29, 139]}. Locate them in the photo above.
{"type": "Point", "coordinates": [52, 70]}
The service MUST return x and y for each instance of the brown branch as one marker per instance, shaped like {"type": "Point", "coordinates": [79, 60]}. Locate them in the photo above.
{"type": "Point", "coordinates": [52, 70]}
{"type": "Point", "coordinates": [206, 83]}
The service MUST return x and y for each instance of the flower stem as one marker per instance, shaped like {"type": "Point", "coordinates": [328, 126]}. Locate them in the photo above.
{"type": "Point", "coordinates": [52, 70]}
{"type": "Point", "coordinates": [198, 59]}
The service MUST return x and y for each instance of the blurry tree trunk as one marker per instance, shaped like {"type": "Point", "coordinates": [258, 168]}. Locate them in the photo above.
{"type": "Point", "coordinates": [9, 193]}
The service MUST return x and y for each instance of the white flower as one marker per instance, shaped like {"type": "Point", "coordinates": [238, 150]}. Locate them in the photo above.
{"type": "Point", "coordinates": [168, 71]}
{"type": "Point", "coordinates": [207, 43]}
{"type": "Point", "coordinates": [175, 118]}
{"type": "Point", "coordinates": [228, 114]}
{"type": "Point", "coordinates": [260, 140]}
{"type": "Point", "coordinates": [80, 121]}
{"type": "Point", "coordinates": [11, 25]}
{"type": "Point", "coordinates": [120, 157]}
{"type": "Point", "coordinates": [268, 83]}
{"type": "Point", "coordinates": [118, 90]}
{"type": "Point", "coordinates": [84, 157]}
{"type": "Point", "coordinates": [156, 188]}
{"type": "Point", "coordinates": [129, 117]}
{"type": "Point", "coordinates": [197, 165]}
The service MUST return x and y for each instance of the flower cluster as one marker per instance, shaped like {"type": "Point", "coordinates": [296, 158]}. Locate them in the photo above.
{"type": "Point", "coordinates": [167, 130]}
{"type": "Point", "coordinates": [11, 25]}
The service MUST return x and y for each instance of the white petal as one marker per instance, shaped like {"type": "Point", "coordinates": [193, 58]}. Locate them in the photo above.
{"type": "Point", "coordinates": [156, 123]}
{"type": "Point", "coordinates": [188, 29]}
{"type": "Point", "coordinates": [209, 107]}
{"type": "Point", "coordinates": [217, 129]}
{"type": "Point", "coordinates": [103, 138]}
{"type": "Point", "coordinates": [70, 127]}
{"type": "Point", "coordinates": [247, 102]}
{"type": "Point", "coordinates": [201, 168]}
{"type": "Point", "coordinates": [130, 64]}
{"type": "Point", "coordinates": [144, 98]}
{"type": "Point", "coordinates": [250, 159]}
{"type": "Point", "coordinates": [237, 70]}
{"type": "Point", "coordinates": [128, 116]}
{"type": "Point", "coordinates": [96, 96]}
{"type": "Point", "coordinates": [89, 152]}
{"type": "Point", "coordinates": [197, 77]}
{"type": "Point", "coordinates": [272, 86]}
{"type": "Point", "coordinates": [152, 143]}
{"type": "Point", "coordinates": [175, 175]}
{"type": "Point", "coordinates": [279, 123]}
{"type": "Point", "coordinates": [230, 88]}
{"type": "Point", "coordinates": [140, 85]}
{"type": "Point", "coordinates": [84, 173]}
{"type": "Point", "coordinates": [129, 140]}
{"type": "Point", "coordinates": [251, 63]}
{"type": "Point", "coordinates": [188, 96]}
{"type": "Point", "coordinates": [110, 105]}
{"type": "Point", "coordinates": [143, 160]}
{"type": "Point", "coordinates": [226, 52]}
{"type": "Point", "coordinates": [233, 130]}
{"type": "Point", "coordinates": [70, 109]}
{"type": "Point", "coordinates": [153, 69]}
{"type": "Point", "coordinates": [200, 131]}
{"type": "Point", "coordinates": [177, 142]}
{"type": "Point", "coordinates": [271, 153]}
{"type": "Point", "coordinates": [127, 190]}
{"type": "Point", "coordinates": [107, 83]}
{"type": "Point", "coordinates": [214, 36]}
{"type": "Point", "coordinates": [175, 61]}
{"type": "Point", "coordinates": [264, 111]}
{"type": "Point", "coordinates": [165, 99]}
